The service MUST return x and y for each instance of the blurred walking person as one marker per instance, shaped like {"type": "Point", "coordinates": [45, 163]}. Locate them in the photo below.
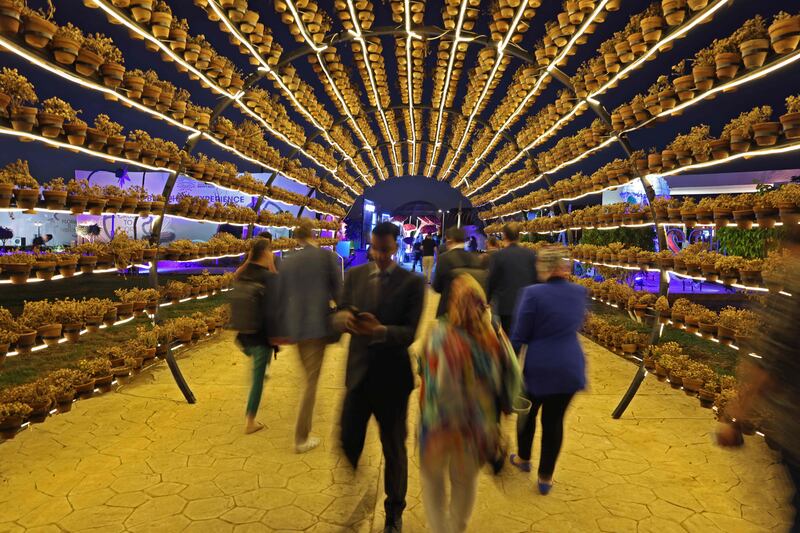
{"type": "Point", "coordinates": [510, 270]}
{"type": "Point", "coordinates": [547, 321]}
{"type": "Point", "coordinates": [416, 254]}
{"type": "Point", "coordinates": [452, 262]}
{"type": "Point", "coordinates": [380, 306]}
{"type": "Point", "coordinates": [492, 247]}
{"type": "Point", "coordinates": [469, 375]}
{"type": "Point", "coordinates": [255, 306]}
{"type": "Point", "coordinates": [429, 251]}
{"type": "Point", "coordinates": [769, 385]}
{"type": "Point", "coordinates": [310, 282]}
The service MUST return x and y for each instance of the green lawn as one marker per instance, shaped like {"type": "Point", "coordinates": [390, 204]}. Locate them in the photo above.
{"type": "Point", "coordinates": [22, 369]}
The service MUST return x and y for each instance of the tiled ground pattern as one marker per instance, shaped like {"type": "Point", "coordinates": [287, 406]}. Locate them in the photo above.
{"type": "Point", "coordinates": [144, 460]}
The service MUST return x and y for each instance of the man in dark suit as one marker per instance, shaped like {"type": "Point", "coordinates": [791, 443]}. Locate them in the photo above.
{"type": "Point", "coordinates": [456, 257]}
{"type": "Point", "coordinates": [380, 306]}
{"type": "Point", "coordinates": [510, 270]}
{"type": "Point", "coordinates": [310, 281]}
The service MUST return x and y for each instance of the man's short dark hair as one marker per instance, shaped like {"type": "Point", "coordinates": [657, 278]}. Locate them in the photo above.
{"type": "Point", "coordinates": [304, 231]}
{"type": "Point", "coordinates": [511, 231]}
{"type": "Point", "coordinates": [260, 248]}
{"type": "Point", "coordinates": [48, 236]}
{"type": "Point", "coordinates": [386, 229]}
{"type": "Point", "coordinates": [265, 235]}
{"type": "Point", "coordinates": [456, 235]}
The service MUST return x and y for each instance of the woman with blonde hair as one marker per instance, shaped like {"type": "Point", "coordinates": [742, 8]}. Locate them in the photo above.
{"type": "Point", "coordinates": [547, 321]}
{"type": "Point", "coordinates": [469, 376]}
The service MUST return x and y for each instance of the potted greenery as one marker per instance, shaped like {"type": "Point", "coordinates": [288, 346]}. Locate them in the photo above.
{"type": "Point", "coordinates": [52, 116]}
{"type": "Point", "coordinates": [99, 369]}
{"type": "Point", "coordinates": [161, 20]}
{"type": "Point", "coordinates": [15, 92]}
{"type": "Point", "coordinates": [65, 382]}
{"type": "Point", "coordinates": [66, 43]}
{"type": "Point", "coordinates": [704, 69]}
{"type": "Point", "coordinates": [652, 24]}
{"type": "Point", "coordinates": [106, 134]}
{"type": "Point", "coordinates": [38, 28]}
{"type": "Point", "coordinates": [71, 315]}
{"type": "Point", "coordinates": [75, 131]}
{"type": "Point", "coordinates": [10, 16]}
{"type": "Point", "coordinates": [12, 415]}
{"type": "Point", "coordinates": [141, 10]}
{"type": "Point", "coordinates": [45, 265]}
{"type": "Point", "coordinates": [26, 188]}
{"type": "Point", "coordinates": [784, 32]}
{"type": "Point", "coordinates": [775, 268]}
{"type": "Point", "coordinates": [753, 40]}
{"type": "Point", "coordinates": [40, 315]}
{"type": "Point", "coordinates": [112, 68]}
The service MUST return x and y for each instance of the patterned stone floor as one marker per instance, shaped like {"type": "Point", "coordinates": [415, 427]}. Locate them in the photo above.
{"type": "Point", "coordinates": [144, 460]}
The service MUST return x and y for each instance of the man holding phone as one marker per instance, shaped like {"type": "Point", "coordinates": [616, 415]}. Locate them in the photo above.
{"type": "Point", "coordinates": [380, 307]}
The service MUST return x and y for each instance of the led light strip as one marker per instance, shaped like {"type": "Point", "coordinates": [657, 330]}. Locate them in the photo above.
{"type": "Point", "coordinates": [552, 65]}
{"type": "Point", "coordinates": [208, 82]}
{"type": "Point", "coordinates": [359, 36]}
{"type": "Point", "coordinates": [58, 277]}
{"type": "Point", "coordinates": [287, 92]}
{"type": "Point", "coordinates": [410, 85]}
{"type": "Point", "coordinates": [446, 88]}
{"type": "Point", "coordinates": [323, 65]}
{"type": "Point", "coordinates": [487, 85]}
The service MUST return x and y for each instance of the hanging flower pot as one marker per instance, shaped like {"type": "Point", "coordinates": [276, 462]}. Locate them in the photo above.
{"type": "Point", "coordinates": [134, 85]}
{"type": "Point", "coordinates": [110, 317]}
{"type": "Point", "coordinates": [87, 263]}
{"type": "Point", "coordinates": [744, 218]}
{"type": "Point", "coordinates": [697, 5]}
{"type": "Point", "coordinates": [38, 32]}
{"type": "Point", "coordinates": [87, 62]}
{"type": "Point", "coordinates": [674, 11]}
{"type": "Point", "coordinates": [44, 270]}
{"type": "Point", "coordinates": [96, 139]}
{"type": "Point", "coordinates": [160, 22]}
{"type": "Point", "coordinates": [704, 76]}
{"type": "Point", "coordinates": [65, 50]}
{"type": "Point", "coordinates": [637, 44]}
{"type": "Point", "coordinates": [684, 87]}
{"type": "Point", "coordinates": [25, 341]}
{"type": "Point", "coordinates": [72, 331]}
{"type": "Point", "coordinates": [791, 125]}
{"type": "Point", "coordinates": [112, 74]}
{"type": "Point", "coordinates": [115, 144]}
{"type": "Point", "coordinates": [766, 133]}
{"type": "Point", "coordinates": [129, 204]}
{"type": "Point", "coordinates": [720, 148]}
{"type": "Point", "coordinates": [766, 217]}
{"type": "Point", "coordinates": [50, 125]}
{"type": "Point", "coordinates": [23, 118]}
{"type": "Point", "coordinates": [740, 141]}
{"type": "Point", "coordinates": [54, 199]}
{"type": "Point", "coordinates": [785, 34]}
{"type": "Point", "coordinates": [76, 203]}
{"type": "Point", "coordinates": [76, 133]}
{"type": "Point", "coordinates": [754, 52]}
{"type": "Point", "coordinates": [667, 99]}
{"type": "Point", "coordinates": [10, 17]}
{"type": "Point", "coordinates": [790, 213]}
{"type": "Point", "coordinates": [652, 28]}
{"type": "Point", "coordinates": [142, 10]}
{"type": "Point", "coordinates": [95, 205]}
{"type": "Point", "coordinates": [26, 198]}
{"type": "Point", "coordinates": [67, 266]}
{"type": "Point", "coordinates": [49, 333]}
{"type": "Point", "coordinates": [18, 273]}
{"type": "Point", "coordinates": [727, 65]}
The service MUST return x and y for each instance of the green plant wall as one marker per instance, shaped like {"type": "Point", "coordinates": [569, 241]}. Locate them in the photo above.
{"type": "Point", "coordinates": [641, 237]}
{"type": "Point", "coordinates": [751, 244]}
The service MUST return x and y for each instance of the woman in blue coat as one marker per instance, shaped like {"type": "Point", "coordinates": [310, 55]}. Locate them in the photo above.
{"type": "Point", "coordinates": [547, 321]}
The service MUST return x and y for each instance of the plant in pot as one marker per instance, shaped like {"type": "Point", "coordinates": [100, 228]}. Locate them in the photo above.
{"type": "Point", "coordinates": [52, 116]}
{"type": "Point", "coordinates": [38, 26]}
{"type": "Point", "coordinates": [740, 129]}
{"type": "Point", "coordinates": [791, 120]}
{"type": "Point", "coordinates": [26, 336]}
{"type": "Point", "coordinates": [11, 16]}
{"type": "Point", "coordinates": [161, 20]}
{"type": "Point", "coordinates": [165, 333]}
{"type": "Point", "coordinates": [752, 39]}
{"type": "Point", "coordinates": [66, 43]}
{"type": "Point", "coordinates": [775, 269]}
{"type": "Point", "coordinates": [726, 58]}
{"type": "Point", "coordinates": [764, 207]}
{"type": "Point", "coordinates": [7, 339]}
{"type": "Point", "coordinates": [45, 265]}
{"type": "Point", "coordinates": [98, 368]}
{"type": "Point", "coordinates": [784, 32]}
{"type": "Point", "coordinates": [12, 415]}
{"type": "Point", "coordinates": [112, 68]}
{"type": "Point", "coordinates": [107, 135]}
{"type": "Point", "coordinates": [54, 193]}
{"type": "Point", "coordinates": [662, 309]}
{"type": "Point", "coordinates": [78, 195]}
{"type": "Point", "coordinates": [183, 328]}
{"type": "Point", "coordinates": [15, 92]}
{"type": "Point", "coordinates": [66, 381]}
{"type": "Point", "coordinates": [696, 376]}
{"type": "Point", "coordinates": [675, 365]}
{"type": "Point", "coordinates": [96, 310]}
{"type": "Point", "coordinates": [707, 322]}
{"type": "Point", "coordinates": [71, 315]}
{"type": "Point", "coordinates": [704, 69]}
{"type": "Point", "coordinates": [26, 188]}
{"type": "Point", "coordinates": [40, 315]}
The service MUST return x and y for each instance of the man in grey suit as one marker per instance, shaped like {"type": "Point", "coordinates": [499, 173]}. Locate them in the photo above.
{"type": "Point", "coordinates": [310, 282]}
{"type": "Point", "coordinates": [510, 270]}
{"type": "Point", "coordinates": [456, 257]}
{"type": "Point", "coordinates": [380, 306]}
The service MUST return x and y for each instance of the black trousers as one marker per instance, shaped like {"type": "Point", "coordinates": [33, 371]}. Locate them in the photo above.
{"type": "Point", "coordinates": [507, 321]}
{"type": "Point", "coordinates": [553, 409]}
{"type": "Point", "coordinates": [417, 261]}
{"type": "Point", "coordinates": [391, 412]}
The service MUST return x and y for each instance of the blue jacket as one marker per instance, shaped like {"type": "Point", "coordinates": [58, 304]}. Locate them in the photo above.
{"type": "Point", "coordinates": [547, 320]}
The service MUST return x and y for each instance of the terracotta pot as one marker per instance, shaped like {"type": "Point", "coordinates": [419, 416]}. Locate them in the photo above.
{"type": "Point", "coordinates": [65, 50]}
{"type": "Point", "coordinates": [26, 341]}
{"type": "Point", "coordinates": [77, 203]}
{"type": "Point", "coordinates": [766, 133]}
{"type": "Point", "coordinates": [697, 5]}
{"type": "Point", "coordinates": [87, 263]}
{"type": "Point", "coordinates": [791, 125]}
{"type": "Point", "coordinates": [704, 77]}
{"type": "Point", "coordinates": [96, 139]}
{"type": "Point", "coordinates": [23, 118]}
{"type": "Point", "coordinates": [674, 11]}
{"type": "Point", "coordinates": [744, 218]}
{"type": "Point", "coordinates": [160, 23]}
{"type": "Point", "coordinates": [740, 141]}
{"type": "Point", "coordinates": [55, 199]}
{"type": "Point", "coordinates": [49, 333]}
{"type": "Point", "coordinates": [652, 28]}
{"type": "Point", "coordinates": [95, 205]}
{"type": "Point", "coordinates": [110, 317]}
{"type": "Point", "coordinates": [785, 35]}
{"type": "Point", "coordinates": [134, 85]}
{"type": "Point", "coordinates": [790, 213]}
{"type": "Point", "coordinates": [26, 198]}
{"type": "Point", "coordinates": [72, 332]}
{"type": "Point", "coordinates": [67, 268]}
{"type": "Point", "coordinates": [44, 270]}
{"type": "Point", "coordinates": [684, 87]}
{"type": "Point", "coordinates": [87, 62]}
{"type": "Point", "coordinates": [18, 272]}
{"type": "Point", "coordinates": [76, 133]}
{"type": "Point", "coordinates": [10, 17]}
{"type": "Point", "coordinates": [112, 74]}
{"type": "Point", "coordinates": [142, 10]}
{"type": "Point", "coordinates": [727, 65]}
{"type": "Point", "coordinates": [766, 217]}
{"type": "Point", "coordinates": [754, 52]}
{"type": "Point", "coordinates": [6, 193]}
{"type": "Point", "coordinates": [720, 148]}
{"type": "Point", "coordinates": [38, 31]}
{"type": "Point", "coordinates": [654, 163]}
{"type": "Point", "coordinates": [115, 144]}
{"type": "Point", "coordinates": [50, 125]}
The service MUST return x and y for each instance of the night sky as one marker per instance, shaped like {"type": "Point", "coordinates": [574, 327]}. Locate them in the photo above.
{"type": "Point", "coordinates": [47, 163]}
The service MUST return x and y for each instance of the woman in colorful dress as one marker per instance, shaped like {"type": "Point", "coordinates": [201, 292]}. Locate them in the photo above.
{"type": "Point", "coordinates": [469, 376]}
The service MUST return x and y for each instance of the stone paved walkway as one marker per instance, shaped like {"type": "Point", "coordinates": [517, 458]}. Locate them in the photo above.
{"type": "Point", "coordinates": [144, 460]}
